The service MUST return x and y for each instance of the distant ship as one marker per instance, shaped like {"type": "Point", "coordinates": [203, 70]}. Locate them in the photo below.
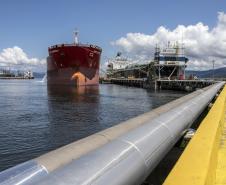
{"type": "Point", "coordinates": [73, 64]}
{"type": "Point", "coordinates": [169, 63]}
{"type": "Point", "coordinates": [8, 74]}
{"type": "Point", "coordinates": [119, 62]}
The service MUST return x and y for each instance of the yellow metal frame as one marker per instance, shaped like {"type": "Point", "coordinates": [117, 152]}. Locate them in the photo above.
{"type": "Point", "coordinates": [198, 163]}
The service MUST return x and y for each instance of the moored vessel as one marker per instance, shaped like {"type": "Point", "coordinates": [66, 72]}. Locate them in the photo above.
{"type": "Point", "coordinates": [73, 64]}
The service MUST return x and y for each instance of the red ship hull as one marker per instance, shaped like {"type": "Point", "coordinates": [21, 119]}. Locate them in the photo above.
{"type": "Point", "coordinates": [73, 64]}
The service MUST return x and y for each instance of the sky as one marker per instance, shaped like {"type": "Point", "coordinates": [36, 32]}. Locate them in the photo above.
{"type": "Point", "coordinates": [29, 27]}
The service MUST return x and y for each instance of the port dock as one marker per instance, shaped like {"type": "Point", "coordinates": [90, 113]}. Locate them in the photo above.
{"type": "Point", "coordinates": [165, 71]}
{"type": "Point", "coordinates": [184, 85]}
{"type": "Point", "coordinates": [187, 85]}
{"type": "Point", "coordinates": [137, 82]}
{"type": "Point", "coordinates": [6, 74]}
{"type": "Point", "coordinates": [137, 146]}
{"type": "Point", "coordinates": [16, 78]}
{"type": "Point", "coordinates": [129, 152]}
{"type": "Point", "coordinates": [204, 159]}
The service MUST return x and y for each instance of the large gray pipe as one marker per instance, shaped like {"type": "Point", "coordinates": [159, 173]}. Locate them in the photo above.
{"type": "Point", "coordinates": [141, 147]}
{"type": "Point", "coordinates": [64, 155]}
{"type": "Point", "coordinates": [130, 158]}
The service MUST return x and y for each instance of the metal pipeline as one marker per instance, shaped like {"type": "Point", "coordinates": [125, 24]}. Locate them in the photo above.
{"type": "Point", "coordinates": [62, 156]}
{"type": "Point", "coordinates": [130, 158]}
{"type": "Point", "coordinates": [128, 151]}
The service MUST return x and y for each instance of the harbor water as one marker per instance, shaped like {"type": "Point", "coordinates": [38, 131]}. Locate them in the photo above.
{"type": "Point", "coordinates": [35, 119]}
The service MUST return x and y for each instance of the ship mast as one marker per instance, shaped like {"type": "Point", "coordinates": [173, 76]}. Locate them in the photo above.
{"type": "Point", "coordinates": [76, 37]}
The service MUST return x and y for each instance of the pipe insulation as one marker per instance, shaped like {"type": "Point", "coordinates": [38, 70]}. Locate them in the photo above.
{"type": "Point", "coordinates": [131, 157]}
{"type": "Point", "coordinates": [123, 154]}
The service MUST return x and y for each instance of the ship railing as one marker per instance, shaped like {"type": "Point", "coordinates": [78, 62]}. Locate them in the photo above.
{"type": "Point", "coordinates": [82, 45]}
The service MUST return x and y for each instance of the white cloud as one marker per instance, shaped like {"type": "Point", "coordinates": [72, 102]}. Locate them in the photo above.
{"type": "Point", "coordinates": [202, 43]}
{"type": "Point", "coordinates": [16, 58]}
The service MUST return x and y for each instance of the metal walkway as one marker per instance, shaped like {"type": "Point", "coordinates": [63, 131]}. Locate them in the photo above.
{"type": "Point", "coordinates": [204, 160]}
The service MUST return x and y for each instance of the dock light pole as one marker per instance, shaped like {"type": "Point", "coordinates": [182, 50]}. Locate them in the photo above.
{"type": "Point", "coordinates": [213, 68]}
{"type": "Point", "coordinates": [159, 72]}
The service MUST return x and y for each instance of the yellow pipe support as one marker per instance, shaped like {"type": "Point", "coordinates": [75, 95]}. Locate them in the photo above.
{"type": "Point", "coordinates": [197, 164]}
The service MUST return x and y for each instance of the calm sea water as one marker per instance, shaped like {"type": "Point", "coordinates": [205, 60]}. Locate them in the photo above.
{"type": "Point", "coordinates": [35, 119]}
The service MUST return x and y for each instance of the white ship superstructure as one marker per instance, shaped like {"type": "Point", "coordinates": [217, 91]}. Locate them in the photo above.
{"type": "Point", "coordinates": [171, 61]}
{"type": "Point", "coordinates": [28, 74]}
{"type": "Point", "coordinates": [118, 62]}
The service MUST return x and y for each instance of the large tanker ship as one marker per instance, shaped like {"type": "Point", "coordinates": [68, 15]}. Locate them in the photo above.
{"type": "Point", "coordinates": [73, 64]}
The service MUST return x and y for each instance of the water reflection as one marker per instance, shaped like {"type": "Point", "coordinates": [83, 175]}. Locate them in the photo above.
{"type": "Point", "coordinates": [73, 113]}
{"type": "Point", "coordinates": [72, 92]}
{"type": "Point", "coordinates": [35, 118]}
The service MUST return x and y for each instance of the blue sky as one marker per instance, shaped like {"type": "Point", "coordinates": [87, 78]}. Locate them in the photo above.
{"type": "Point", "coordinates": [34, 25]}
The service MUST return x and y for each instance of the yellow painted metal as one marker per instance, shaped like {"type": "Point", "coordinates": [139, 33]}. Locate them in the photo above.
{"type": "Point", "coordinates": [204, 160]}
{"type": "Point", "coordinates": [221, 157]}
